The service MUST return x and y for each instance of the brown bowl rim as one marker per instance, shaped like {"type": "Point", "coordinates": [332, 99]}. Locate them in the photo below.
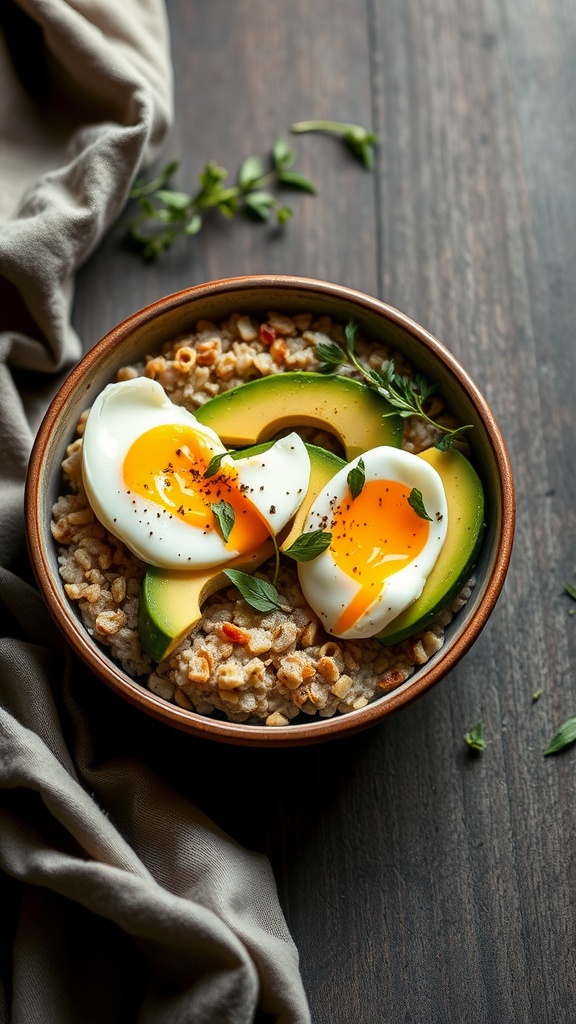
{"type": "Point", "coordinates": [317, 730]}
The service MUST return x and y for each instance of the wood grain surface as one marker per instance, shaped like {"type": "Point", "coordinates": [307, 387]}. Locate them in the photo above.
{"type": "Point", "coordinates": [420, 882]}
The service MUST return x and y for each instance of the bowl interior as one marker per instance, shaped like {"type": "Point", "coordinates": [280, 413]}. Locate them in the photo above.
{"type": "Point", "coordinates": [144, 333]}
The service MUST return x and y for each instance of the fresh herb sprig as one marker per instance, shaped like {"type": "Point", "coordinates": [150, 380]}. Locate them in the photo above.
{"type": "Point", "coordinates": [358, 139]}
{"type": "Point", "coordinates": [474, 738]}
{"type": "Point", "coordinates": [407, 396]}
{"type": "Point", "coordinates": [261, 594]}
{"type": "Point", "coordinates": [564, 737]}
{"type": "Point", "coordinates": [167, 215]}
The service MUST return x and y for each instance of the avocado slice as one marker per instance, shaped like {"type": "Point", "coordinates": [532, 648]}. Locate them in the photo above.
{"type": "Point", "coordinates": [465, 499]}
{"type": "Point", "coordinates": [170, 601]}
{"type": "Point", "coordinates": [256, 411]}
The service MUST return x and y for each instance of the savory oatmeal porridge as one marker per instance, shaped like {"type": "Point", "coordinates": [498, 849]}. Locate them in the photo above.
{"type": "Point", "coordinates": [250, 666]}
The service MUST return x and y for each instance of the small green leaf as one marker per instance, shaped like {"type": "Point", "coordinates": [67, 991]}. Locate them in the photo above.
{"type": "Point", "coordinates": [563, 738]}
{"type": "Point", "coordinates": [475, 737]}
{"type": "Point", "coordinates": [214, 464]}
{"type": "Point", "coordinates": [448, 439]}
{"type": "Point", "coordinates": [250, 171]}
{"type": "Point", "coordinates": [283, 214]}
{"type": "Point", "coordinates": [356, 478]}
{"type": "Point", "coordinates": [193, 226]}
{"type": "Point", "coordinates": [258, 593]}
{"type": "Point", "coordinates": [141, 188]}
{"type": "Point", "coordinates": [536, 695]}
{"type": "Point", "coordinates": [211, 175]}
{"type": "Point", "coordinates": [260, 203]}
{"type": "Point", "coordinates": [173, 200]}
{"type": "Point", "coordinates": [224, 514]}
{"type": "Point", "coordinates": [350, 331]}
{"type": "Point", "coordinates": [570, 590]}
{"type": "Point", "coordinates": [416, 502]}
{"type": "Point", "coordinates": [309, 545]}
{"type": "Point", "coordinates": [331, 354]}
{"type": "Point", "coordinates": [295, 180]}
{"type": "Point", "coordinates": [282, 155]}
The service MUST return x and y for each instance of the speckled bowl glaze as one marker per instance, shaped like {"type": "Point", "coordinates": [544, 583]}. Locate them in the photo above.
{"type": "Point", "coordinates": [144, 332]}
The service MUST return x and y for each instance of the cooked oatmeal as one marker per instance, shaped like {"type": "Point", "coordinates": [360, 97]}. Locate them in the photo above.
{"type": "Point", "coordinates": [249, 666]}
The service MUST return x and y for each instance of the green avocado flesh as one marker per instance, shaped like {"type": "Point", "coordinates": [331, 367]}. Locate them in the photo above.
{"type": "Point", "coordinates": [171, 601]}
{"type": "Point", "coordinates": [465, 500]}
{"type": "Point", "coordinates": [259, 409]}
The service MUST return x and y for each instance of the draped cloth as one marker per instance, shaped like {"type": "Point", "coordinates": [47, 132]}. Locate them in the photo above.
{"type": "Point", "coordinates": [119, 899]}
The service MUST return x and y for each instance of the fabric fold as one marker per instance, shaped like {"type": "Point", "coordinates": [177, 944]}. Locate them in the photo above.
{"type": "Point", "coordinates": [121, 900]}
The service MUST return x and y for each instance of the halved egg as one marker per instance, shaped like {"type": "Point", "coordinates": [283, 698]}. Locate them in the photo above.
{"type": "Point", "coordinates": [382, 550]}
{"type": "Point", "coordinates": [144, 463]}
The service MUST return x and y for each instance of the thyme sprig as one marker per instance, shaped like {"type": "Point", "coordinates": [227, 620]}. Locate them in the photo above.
{"type": "Point", "coordinates": [358, 139]}
{"type": "Point", "coordinates": [167, 214]}
{"type": "Point", "coordinates": [407, 396]}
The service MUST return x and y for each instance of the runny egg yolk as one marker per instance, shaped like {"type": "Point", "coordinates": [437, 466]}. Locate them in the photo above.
{"type": "Point", "coordinates": [166, 466]}
{"type": "Point", "coordinates": [373, 536]}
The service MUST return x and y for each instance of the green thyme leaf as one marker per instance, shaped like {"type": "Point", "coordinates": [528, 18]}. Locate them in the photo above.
{"type": "Point", "coordinates": [356, 478]}
{"type": "Point", "coordinates": [260, 203]}
{"type": "Point", "coordinates": [224, 514]}
{"type": "Point", "coordinates": [563, 738]}
{"type": "Point", "coordinates": [176, 201]}
{"type": "Point", "coordinates": [475, 737]}
{"type": "Point", "coordinates": [293, 179]}
{"type": "Point", "coordinates": [283, 214]}
{"type": "Point", "coordinates": [193, 226]}
{"type": "Point", "coordinates": [416, 502]}
{"type": "Point", "coordinates": [258, 593]}
{"type": "Point", "coordinates": [309, 545]}
{"type": "Point", "coordinates": [250, 171]}
{"type": "Point", "coordinates": [282, 155]}
{"type": "Point", "coordinates": [140, 188]}
{"type": "Point", "coordinates": [570, 590]}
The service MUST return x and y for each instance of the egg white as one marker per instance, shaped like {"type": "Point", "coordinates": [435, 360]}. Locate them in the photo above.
{"type": "Point", "coordinates": [329, 590]}
{"type": "Point", "coordinates": [275, 481]}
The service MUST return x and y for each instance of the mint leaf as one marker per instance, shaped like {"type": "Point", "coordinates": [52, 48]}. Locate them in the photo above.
{"type": "Point", "coordinates": [258, 593]}
{"type": "Point", "coordinates": [356, 478]}
{"type": "Point", "coordinates": [309, 545]}
{"type": "Point", "coordinates": [225, 517]}
{"type": "Point", "coordinates": [415, 501]}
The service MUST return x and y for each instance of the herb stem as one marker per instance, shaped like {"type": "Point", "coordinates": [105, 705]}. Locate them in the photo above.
{"type": "Point", "coordinates": [325, 126]}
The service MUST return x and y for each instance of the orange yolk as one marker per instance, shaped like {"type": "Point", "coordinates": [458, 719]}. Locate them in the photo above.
{"type": "Point", "coordinates": [166, 466]}
{"type": "Point", "coordinates": [373, 536]}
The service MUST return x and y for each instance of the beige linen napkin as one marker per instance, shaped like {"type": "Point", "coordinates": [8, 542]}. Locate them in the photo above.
{"type": "Point", "coordinates": [119, 900]}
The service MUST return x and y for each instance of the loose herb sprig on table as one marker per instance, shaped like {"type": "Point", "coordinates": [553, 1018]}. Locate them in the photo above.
{"type": "Point", "coordinates": [358, 139]}
{"type": "Point", "coordinates": [406, 396]}
{"type": "Point", "coordinates": [474, 738]}
{"type": "Point", "coordinates": [167, 214]}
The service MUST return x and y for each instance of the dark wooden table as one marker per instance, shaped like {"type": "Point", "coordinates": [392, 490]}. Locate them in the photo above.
{"type": "Point", "coordinates": [420, 883]}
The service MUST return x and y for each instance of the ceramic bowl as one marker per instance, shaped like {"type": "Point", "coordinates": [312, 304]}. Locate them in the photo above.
{"type": "Point", "coordinates": [143, 333]}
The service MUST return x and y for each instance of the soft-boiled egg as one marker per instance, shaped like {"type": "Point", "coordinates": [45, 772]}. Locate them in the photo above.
{"type": "Point", "coordinates": [144, 463]}
{"type": "Point", "coordinates": [382, 550]}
